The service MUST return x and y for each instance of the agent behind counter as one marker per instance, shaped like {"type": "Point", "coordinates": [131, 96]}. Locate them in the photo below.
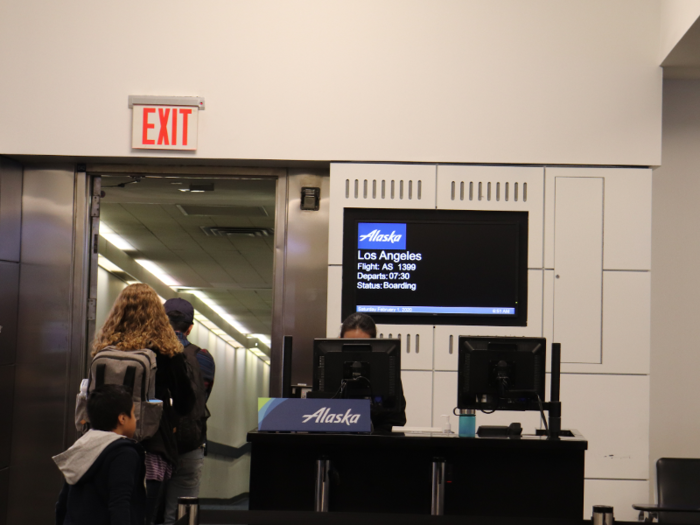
{"type": "Point", "coordinates": [362, 326]}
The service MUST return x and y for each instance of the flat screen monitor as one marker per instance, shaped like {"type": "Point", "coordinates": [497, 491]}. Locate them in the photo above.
{"type": "Point", "coordinates": [501, 373]}
{"type": "Point", "coordinates": [358, 369]}
{"type": "Point", "coordinates": [436, 266]}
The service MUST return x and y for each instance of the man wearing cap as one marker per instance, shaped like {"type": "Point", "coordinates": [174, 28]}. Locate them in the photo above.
{"type": "Point", "coordinates": [191, 431]}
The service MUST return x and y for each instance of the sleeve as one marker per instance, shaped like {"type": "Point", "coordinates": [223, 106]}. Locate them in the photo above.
{"type": "Point", "coordinates": [208, 368]}
{"type": "Point", "coordinates": [383, 419]}
{"type": "Point", "coordinates": [62, 504]}
{"type": "Point", "coordinates": [180, 385]}
{"type": "Point", "coordinates": [123, 472]}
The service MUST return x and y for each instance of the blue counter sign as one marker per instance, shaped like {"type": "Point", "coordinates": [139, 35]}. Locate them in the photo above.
{"type": "Point", "coordinates": [314, 415]}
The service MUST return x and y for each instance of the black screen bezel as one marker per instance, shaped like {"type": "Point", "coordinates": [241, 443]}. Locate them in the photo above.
{"type": "Point", "coordinates": [533, 349]}
{"type": "Point", "coordinates": [382, 349]}
{"type": "Point", "coordinates": [352, 216]}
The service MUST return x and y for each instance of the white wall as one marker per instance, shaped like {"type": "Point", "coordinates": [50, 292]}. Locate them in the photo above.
{"type": "Point", "coordinates": [542, 81]}
{"type": "Point", "coordinates": [675, 331]}
{"type": "Point", "coordinates": [108, 289]}
{"type": "Point", "coordinates": [240, 379]}
{"type": "Point", "coordinates": [589, 261]}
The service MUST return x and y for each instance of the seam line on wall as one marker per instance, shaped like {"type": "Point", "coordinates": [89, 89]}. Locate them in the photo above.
{"type": "Point", "coordinates": [598, 373]}
{"type": "Point", "coordinates": [616, 479]}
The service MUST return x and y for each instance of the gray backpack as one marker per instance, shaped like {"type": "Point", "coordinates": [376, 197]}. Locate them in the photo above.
{"type": "Point", "coordinates": [136, 370]}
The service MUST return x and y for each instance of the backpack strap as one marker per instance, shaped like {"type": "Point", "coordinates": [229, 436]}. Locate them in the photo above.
{"type": "Point", "coordinates": [129, 379]}
{"type": "Point", "coordinates": [99, 375]}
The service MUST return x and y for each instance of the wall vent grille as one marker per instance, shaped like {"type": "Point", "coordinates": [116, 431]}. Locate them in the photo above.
{"type": "Point", "coordinates": [384, 189]}
{"type": "Point", "coordinates": [488, 191]}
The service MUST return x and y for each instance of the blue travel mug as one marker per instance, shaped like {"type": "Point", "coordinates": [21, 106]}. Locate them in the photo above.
{"type": "Point", "coordinates": [467, 422]}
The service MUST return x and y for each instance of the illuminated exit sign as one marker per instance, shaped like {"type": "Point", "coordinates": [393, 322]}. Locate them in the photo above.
{"type": "Point", "coordinates": [159, 125]}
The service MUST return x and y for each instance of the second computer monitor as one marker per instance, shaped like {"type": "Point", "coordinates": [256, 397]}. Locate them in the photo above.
{"type": "Point", "coordinates": [501, 373]}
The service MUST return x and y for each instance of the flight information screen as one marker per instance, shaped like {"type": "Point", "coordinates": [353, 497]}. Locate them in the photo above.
{"type": "Point", "coordinates": [436, 266]}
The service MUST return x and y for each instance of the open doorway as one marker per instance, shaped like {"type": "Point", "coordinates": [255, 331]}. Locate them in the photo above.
{"type": "Point", "coordinates": [210, 241]}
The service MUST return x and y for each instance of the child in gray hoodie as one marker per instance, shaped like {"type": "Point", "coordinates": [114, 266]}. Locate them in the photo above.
{"type": "Point", "coordinates": [104, 470]}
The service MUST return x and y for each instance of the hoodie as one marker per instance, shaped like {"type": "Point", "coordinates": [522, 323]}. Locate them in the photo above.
{"type": "Point", "coordinates": [104, 475]}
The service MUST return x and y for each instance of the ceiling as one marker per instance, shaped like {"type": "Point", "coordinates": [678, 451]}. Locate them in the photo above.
{"type": "Point", "coordinates": [182, 232]}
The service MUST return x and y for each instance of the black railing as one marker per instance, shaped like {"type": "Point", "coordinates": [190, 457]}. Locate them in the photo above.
{"type": "Point", "coordinates": [227, 451]}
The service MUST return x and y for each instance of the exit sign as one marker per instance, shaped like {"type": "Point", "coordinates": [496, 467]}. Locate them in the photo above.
{"type": "Point", "coordinates": [164, 127]}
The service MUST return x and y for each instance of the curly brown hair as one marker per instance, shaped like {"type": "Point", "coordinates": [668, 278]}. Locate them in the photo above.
{"type": "Point", "coordinates": [137, 320]}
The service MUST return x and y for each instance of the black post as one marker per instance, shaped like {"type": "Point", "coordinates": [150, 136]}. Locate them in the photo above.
{"type": "Point", "coordinates": [554, 403]}
{"type": "Point", "coordinates": [187, 511]}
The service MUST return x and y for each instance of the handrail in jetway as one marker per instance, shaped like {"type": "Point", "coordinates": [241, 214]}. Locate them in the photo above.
{"type": "Point", "coordinates": [227, 451]}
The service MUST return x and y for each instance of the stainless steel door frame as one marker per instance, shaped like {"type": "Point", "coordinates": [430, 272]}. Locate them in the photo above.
{"type": "Point", "coordinates": [301, 276]}
{"type": "Point", "coordinates": [86, 222]}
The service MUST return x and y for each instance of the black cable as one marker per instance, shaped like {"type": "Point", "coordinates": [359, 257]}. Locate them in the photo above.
{"type": "Point", "coordinates": [369, 384]}
{"type": "Point", "coordinates": [340, 389]}
{"type": "Point", "coordinates": [344, 384]}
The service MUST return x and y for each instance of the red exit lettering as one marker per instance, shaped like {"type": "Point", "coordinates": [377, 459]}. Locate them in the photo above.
{"type": "Point", "coordinates": [163, 116]}
{"type": "Point", "coordinates": [160, 126]}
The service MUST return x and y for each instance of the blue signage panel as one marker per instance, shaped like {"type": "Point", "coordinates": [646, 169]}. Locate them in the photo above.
{"type": "Point", "coordinates": [381, 236]}
{"type": "Point", "coordinates": [314, 415]}
{"type": "Point", "coordinates": [477, 310]}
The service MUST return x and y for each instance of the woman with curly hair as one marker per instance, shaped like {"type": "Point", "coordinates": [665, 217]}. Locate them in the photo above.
{"type": "Point", "coordinates": [138, 320]}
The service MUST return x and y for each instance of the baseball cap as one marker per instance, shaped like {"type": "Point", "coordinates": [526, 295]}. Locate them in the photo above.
{"type": "Point", "coordinates": [180, 305]}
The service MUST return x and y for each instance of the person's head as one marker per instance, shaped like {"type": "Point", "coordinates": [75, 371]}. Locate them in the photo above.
{"type": "Point", "coordinates": [137, 320]}
{"type": "Point", "coordinates": [180, 313]}
{"type": "Point", "coordinates": [358, 326]}
{"type": "Point", "coordinates": [110, 408]}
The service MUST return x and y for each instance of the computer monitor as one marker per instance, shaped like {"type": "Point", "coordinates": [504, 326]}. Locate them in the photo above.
{"type": "Point", "coordinates": [501, 373]}
{"type": "Point", "coordinates": [358, 369]}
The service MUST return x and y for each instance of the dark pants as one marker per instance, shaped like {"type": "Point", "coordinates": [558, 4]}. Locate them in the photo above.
{"type": "Point", "coordinates": [154, 498]}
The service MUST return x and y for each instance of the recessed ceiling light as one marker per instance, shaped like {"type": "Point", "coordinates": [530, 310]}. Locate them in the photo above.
{"type": "Point", "coordinates": [158, 272]}
{"type": "Point", "coordinates": [199, 188]}
{"type": "Point", "coordinates": [118, 241]}
{"type": "Point", "coordinates": [107, 264]}
{"type": "Point", "coordinates": [222, 313]}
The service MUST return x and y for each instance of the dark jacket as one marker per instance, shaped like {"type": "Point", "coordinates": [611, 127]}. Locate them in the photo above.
{"type": "Point", "coordinates": [108, 491]}
{"type": "Point", "coordinates": [385, 418]}
{"type": "Point", "coordinates": [192, 429]}
{"type": "Point", "coordinates": [172, 382]}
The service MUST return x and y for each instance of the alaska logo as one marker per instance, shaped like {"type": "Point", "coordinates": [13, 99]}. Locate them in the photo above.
{"type": "Point", "coordinates": [376, 236]}
{"type": "Point", "coordinates": [381, 235]}
{"type": "Point", "coordinates": [323, 415]}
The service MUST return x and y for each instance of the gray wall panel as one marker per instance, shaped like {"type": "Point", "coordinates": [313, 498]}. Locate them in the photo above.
{"type": "Point", "coordinates": [7, 387]}
{"type": "Point", "coordinates": [43, 342]}
{"type": "Point", "coordinates": [10, 209]}
{"type": "Point", "coordinates": [4, 494]}
{"type": "Point", "coordinates": [9, 292]}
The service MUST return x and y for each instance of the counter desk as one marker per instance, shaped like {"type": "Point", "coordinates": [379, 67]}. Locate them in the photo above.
{"type": "Point", "coordinates": [529, 476]}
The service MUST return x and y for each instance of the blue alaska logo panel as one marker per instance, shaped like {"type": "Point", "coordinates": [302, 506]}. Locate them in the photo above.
{"type": "Point", "coordinates": [381, 236]}
{"type": "Point", "coordinates": [314, 415]}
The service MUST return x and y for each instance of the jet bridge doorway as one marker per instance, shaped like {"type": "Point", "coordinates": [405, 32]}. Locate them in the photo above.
{"type": "Point", "coordinates": [210, 240]}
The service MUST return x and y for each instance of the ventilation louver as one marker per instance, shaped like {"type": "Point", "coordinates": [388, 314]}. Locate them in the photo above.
{"type": "Point", "coordinates": [227, 211]}
{"type": "Point", "coordinates": [223, 231]}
